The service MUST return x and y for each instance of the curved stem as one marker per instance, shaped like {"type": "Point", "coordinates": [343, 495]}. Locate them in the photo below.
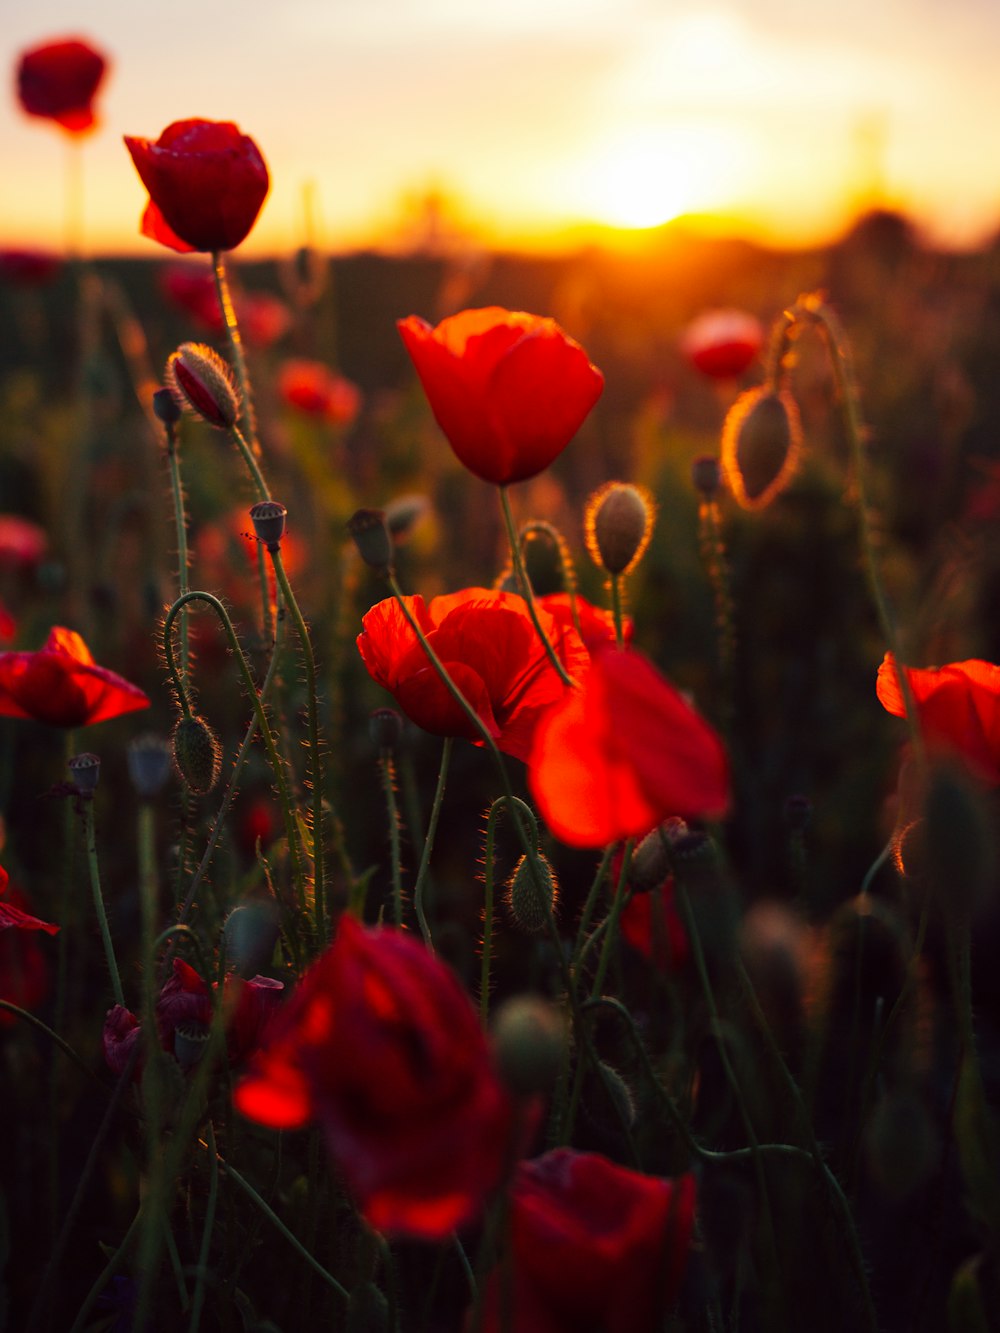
{"type": "Point", "coordinates": [566, 567]}
{"type": "Point", "coordinates": [526, 588]}
{"type": "Point", "coordinates": [588, 907]}
{"type": "Point", "coordinates": [425, 856]}
{"type": "Point", "coordinates": [9, 1007]}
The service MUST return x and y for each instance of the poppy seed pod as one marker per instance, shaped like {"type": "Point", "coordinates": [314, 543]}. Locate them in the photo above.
{"type": "Point", "coordinates": [529, 1038]}
{"type": "Point", "coordinates": [530, 899]}
{"type": "Point", "coordinates": [761, 443]}
{"type": "Point", "coordinates": [197, 754]}
{"type": "Point", "coordinates": [371, 536]}
{"type": "Point", "coordinates": [202, 381]}
{"type": "Point", "coordinates": [619, 524]}
{"type": "Point", "coordinates": [268, 518]}
{"type": "Point", "coordinates": [85, 770]}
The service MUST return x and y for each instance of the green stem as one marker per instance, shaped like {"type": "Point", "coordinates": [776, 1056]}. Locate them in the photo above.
{"type": "Point", "coordinates": [588, 907]}
{"type": "Point", "coordinates": [616, 609]}
{"type": "Point", "coordinates": [425, 856]}
{"type": "Point", "coordinates": [388, 773]}
{"type": "Point", "coordinates": [90, 837]}
{"type": "Point", "coordinates": [247, 413]}
{"type": "Point", "coordinates": [35, 1022]}
{"type": "Point", "coordinates": [206, 1236]}
{"type": "Point", "coordinates": [177, 491]}
{"type": "Point", "coordinates": [487, 947]}
{"type": "Point", "coordinates": [526, 589]}
{"type": "Point", "coordinates": [260, 485]}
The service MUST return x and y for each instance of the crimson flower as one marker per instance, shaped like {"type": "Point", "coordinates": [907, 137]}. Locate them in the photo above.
{"type": "Point", "coordinates": [61, 684]}
{"type": "Point", "coordinates": [22, 543]}
{"type": "Point", "coordinates": [651, 924]}
{"type": "Point", "coordinates": [622, 753]}
{"type": "Point", "coordinates": [509, 390]}
{"type": "Point", "coordinates": [597, 626]}
{"type": "Point", "coordinates": [185, 1000]}
{"type": "Point", "coordinates": [381, 1046]}
{"type": "Point", "coordinates": [312, 388]}
{"type": "Point", "coordinates": [595, 1246]}
{"type": "Point", "coordinates": [59, 81]}
{"type": "Point", "coordinates": [12, 916]}
{"type": "Point", "coordinates": [490, 648]}
{"type": "Point", "coordinates": [722, 343]}
{"type": "Point", "coordinates": [24, 972]}
{"type": "Point", "coordinates": [958, 706]}
{"type": "Point", "coordinates": [119, 1035]}
{"type": "Point", "coordinates": [206, 184]}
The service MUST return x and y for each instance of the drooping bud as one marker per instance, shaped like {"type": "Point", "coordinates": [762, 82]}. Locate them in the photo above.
{"type": "Point", "coordinates": [529, 1038]}
{"type": "Point", "coordinates": [197, 753]}
{"type": "Point", "coordinates": [85, 770]}
{"type": "Point", "coordinates": [268, 518]}
{"type": "Point", "coordinates": [202, 381]}
{"type": "Point", "coordinates": [385, 726]}
{"type": "Point", "coordinates": [761, 443]}
{"type": "Point", "coordinates": [618, 525]}
{"type": "Point", "coordinates": [251, 932]}
{"type": "Point", "coordinates": [529, 901]}
{"type": "Point", "coordinates": [371, 536]}
{"type": "Point", "coordinates": [652, 860]}
{"type": "Point", "coordinates": [149, 764]}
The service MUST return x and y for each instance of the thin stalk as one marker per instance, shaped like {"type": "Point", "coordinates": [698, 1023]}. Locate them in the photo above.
{"type": "Point", "coordinates": [23, 1014]}
{"type": "Point", "coordinates": [198, 1300]}
{"type": "Point", "coordinates": [526, 589]}
{"type": "Point", "coordinates": [180, 518]}
{"type": "Point", "coordinates": [425, 856]}
{"type": "Point", "coordinates": [235, 346]}
{"type": "Point", "coordinates": [616, 609]}
{"type": "Point", "coordinates": [566, 566]}
{"type": "Point", "coordinates": [90, 838]}
{"type": "Point", "coordinates": [588, 907]}
{"type": "Point", "coordinates": [388, 774]}
{"type": "Point", "coordinates": [487, 948]}
{"type": "Point", "coordinates": [260, 485]}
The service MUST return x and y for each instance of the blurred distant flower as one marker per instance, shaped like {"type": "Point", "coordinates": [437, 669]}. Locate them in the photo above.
{"type": "Point", "coordinates": [28, 268]}
{"type": "Point", "coordinates": [722, 343]}
{"type": "Point", "coordinates": [651, 924]}
{"type": "Point", "coordinates": [382, 1048]}
{"type": "Point", "coordinates": [622, 753]}
{"type": "Point", "coordinates": [185, 1001]}
{"type": "Point", "coordinates": [594, 1245]}
{"type": "Point", "coordinates": [958, 707]}
{"type": "Point", "coordinates": [12, 916]}
{"type": "Point", "coordinates": [206, 184]}
{"type": "Point", "coordinates": [62, 685]}
{"type": "Point", "coordinates": [509, 390]}
{"type": "Point", "coordinates": [263, 318]}
{"type": "Point", "coordinates": [24, 972]}
{"type": "Point", "coordinates": [22, 543]}
{"type": "Point", "coordinates": [59, 81]}
{"type": "Point", "coordinates": [490, 648]}
{"type": "Point", "coordinates": [120, 1033]}
{"type": "Point", "coordinates": [313, 388]}
{"type": "Point", "coordinates": [8, 625]}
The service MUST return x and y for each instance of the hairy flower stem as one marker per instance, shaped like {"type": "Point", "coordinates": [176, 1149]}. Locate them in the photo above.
{"type": "Point", "coordinates": [588, 909]}
{"type": "Point", "coordinates": [90, 844]}
{"type": "Point", "coordinates": [489, 865]}
{"type": "Point", "coordinates": [425, 856]}
{"type": "Point", "coordinates": [388, 774]}
{"type": "Point", "coordinates": [714, 558]}
{"type": "Point", "coordinates": [180, 520]}
{"type": "Point", "coordinates": [256, 700]}
{"type": "Point", "coordinates": [247, 413]}
{"type": "Point", "coordinates": [260, 485]}
{"type": "Point", "coordinates": [616, 609]}
{"type": "Point", "coordinates": [315, 754]}
{"type": "Point", "coordinates": [524, 583]}
{"type": "Point", "coordinates": [539, 527]}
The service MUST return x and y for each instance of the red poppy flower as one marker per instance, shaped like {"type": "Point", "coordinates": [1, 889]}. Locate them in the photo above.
{"type": "Point", "coordinates": [186, 1000]}
{"type": "Point", "coordinates": [490, 648]}
{"type": "Point", "coordinates": [263, 317]}
{"type": "Point", "coordinates": [622, 753]}
{"type": "Point", "coordinates": [28, 268]}
{"type": "Point", "coordinates": [381, 1046]}
{"type": "Point", "coordinates": [651, 924]}
{"type": "Point", "coordinates": [22, 543]}
{"type": "Point", "coordinates": [596, 625]}
{"type": "Point", "coordinates": [119, 1035]}
{"type": "Point", "coordinates": [958, 706]}
{"type": "Point", "coordinates": [8, 625]}
{"type": "Point", "coordinates": [24, 972]}
{"type": "Point", "coordinates": [59, 81]}
{"type": "Point", "coordinates": [206, 184]}
{"type": "Point", "coordinates": [62, 685]}
{"type": "Point", "coordinates": [595, 1246]}
{"type": "Point", "coordinates": [723, 343]}
{"type": "Point", "coordinates": [313, 388]}
{"type": "Point", "coordinates": [509, 390]}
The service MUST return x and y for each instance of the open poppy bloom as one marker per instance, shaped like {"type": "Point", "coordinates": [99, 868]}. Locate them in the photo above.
{"type": "Point", "coordinates": [12, 916]}
{"type": "Point", "coordinates": [490, 648]}
{"type": "Point", "coordinates": [623, 752]}
{"type": "Point", "coordinates": [382, 1047]}
{"type": "Point", "coordinates": [958, 706]}
{"type": "Point", "coordinates": [312, 388]}
{"type": "Point", "coordinates": [24, 972]}
{"type": "Point", "coordinates": [206, 184]}
{"type": "Point", "coordinates": [509, 390]}
{"type": "Point", "coordinates": [597, 626]}
{"type": "Point", "coordinates": [62, 685]}
{"type": "Point", "coordinates": [59, 81]}
{"type": "Point", "coordinates": [595, 1246]}
{"type": "Point", "coordinates": [185, 1001]}
{"type": "Point", "coordinates": [722, 344]}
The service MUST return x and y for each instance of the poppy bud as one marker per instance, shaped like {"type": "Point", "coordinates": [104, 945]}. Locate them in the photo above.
{"type": "Point", "coordinates": [197, 754]}
{"type": "Point", "coordinates": [202, 381]}
{"type": "Point", "coordinates": [251, 932]}
{"type": "Point", "coordinates": [651, 861]}
{"type": "Point", "coordinates": [529, 902]}
{"type": "Point", "coordinates": [529, 1038]}
{"type": "Point", "coordinates": [385, 726]}
{"type": "Point", "coordinates": [166, 408]}
{"type": "Point", "coordinates": [761, 442]}
{"type": "Point", "coordinates": [149, 765]}
{"type": "Point", "coordinates": [268, 517]}
{"type": "Point", "coordinates": [619, 524]}
{"type": "Point", "coordinates": [85, 770]}
{"type": "Point", "coordinates": [371, 536]}
{"type": "Point", "coordinates": [706, 474]}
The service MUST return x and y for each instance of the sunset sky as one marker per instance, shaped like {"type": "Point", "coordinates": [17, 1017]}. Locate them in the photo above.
{"type": "Point", "coordinates": [777, 118]}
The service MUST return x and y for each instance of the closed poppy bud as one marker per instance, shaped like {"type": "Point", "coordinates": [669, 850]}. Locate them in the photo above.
{"type": "Point", "coordinates": [149, 765]}
{"type": "Point", "coordinates": [619, 523]}
{"type": "Point", "coordinates": [761, 443]}
{"type": "Point", "coordinates": [250, 932]}
{"type": "Point", "coordinates": [902, 1145]}
{"type": "Point", "coordinates": [206, 184]}
{"type": "Point", "coordinates": [706, 474]}
{"type": "Point", "coordinates": [385, 726]}
{"type": "Point", "coordinates": [529, 1038]}
{"type": "Point", "coordinates": [201, 380]}
{"type": "Point", "coordinates": [371, 536]}
{"type": "Point", "coordinates": [166, 408]}
{"type": "Point", "coordinates": [197, 754]}
{"type": "Point", "coordinates": [532, 894]}
{"type": "Point", "coordinates": [652, 861]}
{"type": "Point", "coordinates": [59, 81]}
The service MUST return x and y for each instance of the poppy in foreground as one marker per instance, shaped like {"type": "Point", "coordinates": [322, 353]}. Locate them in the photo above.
{"type": "Point", "coordinates": [595, 1246]}
{"type": "Point", "coordinates": [489, 646]}
{"type": "Point", "coordinates": [622, 753]}
{"type": "Point", "coordinates": [59, 81]}
{"type": "Point", "coordinates": [382, 1048]}
{"type": "Point", "coordinates": [722, 344]}
{"type": "Point", "coordinates": [62, 685]}
{"type": "Point", "coordinates": [509, 390]}
{"type": "Point", "coordinates": [958, 707]}
{"type": "Point", "coordinates": [206, 184]}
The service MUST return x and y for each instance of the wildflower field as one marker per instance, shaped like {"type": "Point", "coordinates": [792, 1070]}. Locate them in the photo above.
{"type": "Point", "coordinates": [498, 763]}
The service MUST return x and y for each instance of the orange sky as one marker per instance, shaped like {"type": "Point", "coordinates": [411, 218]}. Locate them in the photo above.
{"type": "Point", "coordinates": [774, 117]}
